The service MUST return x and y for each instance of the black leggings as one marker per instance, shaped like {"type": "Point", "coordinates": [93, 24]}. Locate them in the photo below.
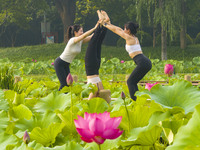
{"type": "Point", "coordinates": [62, 71]}
{"type": "Point", "coordinates": [93, 53]}
{"type": "Point", "coordinates": [143, 66]}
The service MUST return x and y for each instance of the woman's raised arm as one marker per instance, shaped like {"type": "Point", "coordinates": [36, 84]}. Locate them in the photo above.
{"type": "Point", "coordinates": [84, 35]}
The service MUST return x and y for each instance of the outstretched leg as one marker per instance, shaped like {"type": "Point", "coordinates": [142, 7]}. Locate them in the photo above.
{"type": "Point", "coordinates": [93, 57]}
{"type": "Point", "coordinates": [91, 62]}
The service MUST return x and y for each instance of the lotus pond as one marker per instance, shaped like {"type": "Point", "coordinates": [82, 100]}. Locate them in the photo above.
{"type": "Point", "coordinates": [166, 117]}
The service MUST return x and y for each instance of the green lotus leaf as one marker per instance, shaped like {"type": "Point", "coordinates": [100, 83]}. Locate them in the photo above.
{"type": "Point", "coordinates": [6, 140]}
{"type": "Point", "coordinates": [30, 102]}
{"type": "Point", "coordinates": [42, 120]}
{"type": "Point", "coordinates": [4, 105]}
{"type": "Point", "coordinates": [50, 84]}
{"type": "Point", "coordinates": [46, 136]}
{"type": "Point", "coordinates": [181, 94]}
{"type": "Point", "coordinates": [139, 112]}
{"type": "Point", "coordinates": [4, 120]}
{"type": "Point", "coordinates": [196, 60]}
{"type": "Point", "coordinates": [73, 146]}
{"type": "Point", "coordinates": [173, 125]}
{"type": "Point", "coordinates": [77, 89]}
{"type": "Point", "coordinates": [10, 128]}
{"type": "Point", "coordinates": [157, 147]}
{"type": "Point", "coordinates": [19, 98]}
{"type": "Point", "coordinates": [188, 135]}
{"type": "Point", "coordinates": [146, 135]}
{"type": "Point", "coordinates": [21, 111]}
{"type": "Point", "coordinates": [9, 95]}
{"type": "Point", "coordinates": [66, 117]}
{"type": "Point", "coordinates": [54, 101]}
{"type": "Point", "coordinates": [96, 105]}
{"type": "Point", "coordinates": [22, 146]}
{"type": "Point", "coordinates": [32, 87]}
{"type": "Point", "coordinates": [107, 145]}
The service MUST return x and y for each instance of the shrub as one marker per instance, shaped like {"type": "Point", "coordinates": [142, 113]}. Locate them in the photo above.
{"type": "Point", "coordinates": [6, 78]}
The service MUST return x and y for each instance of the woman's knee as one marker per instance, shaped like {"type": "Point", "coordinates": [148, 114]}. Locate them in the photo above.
{"type": "Point", "coordinates": [131, 81]}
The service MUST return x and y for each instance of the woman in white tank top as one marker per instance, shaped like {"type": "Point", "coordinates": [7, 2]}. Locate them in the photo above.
{"type": "Point", "coordinates": [75, 39]}
{"type": "Point", "coordinates": [134, 50]}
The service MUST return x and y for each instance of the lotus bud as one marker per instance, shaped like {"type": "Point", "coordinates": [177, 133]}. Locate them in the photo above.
{"type": "Point", "coordinates": [26, 138]}
{"type": "Point", "coordinates": [122, 61]}
{"type": "Point", "coordinates": [69, 79]}
{"type": "Point", "coordinates": [52, 63]}
{"type": "Point", "coordinates": [169, 69]}
{"type": "Point", "coordinates": [123, 96]}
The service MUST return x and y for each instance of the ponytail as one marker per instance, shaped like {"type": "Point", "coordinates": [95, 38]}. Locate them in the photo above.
{"type": "Point", "coordinates": [71, 30]}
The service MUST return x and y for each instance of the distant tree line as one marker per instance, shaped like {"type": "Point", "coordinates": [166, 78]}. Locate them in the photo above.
{"type": "Point", "coordinates": [162, 22]}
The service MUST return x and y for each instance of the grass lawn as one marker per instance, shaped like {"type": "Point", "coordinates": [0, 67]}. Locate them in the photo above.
{"type": "Point", "coordinates": [52, 51]}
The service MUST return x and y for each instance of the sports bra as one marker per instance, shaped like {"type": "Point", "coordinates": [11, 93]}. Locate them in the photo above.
{"type": "Point", "coordinates": [133, 48]}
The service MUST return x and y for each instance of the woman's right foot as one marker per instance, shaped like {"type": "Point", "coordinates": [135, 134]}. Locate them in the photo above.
{"type": "Point", "coordinates": [107, 19]}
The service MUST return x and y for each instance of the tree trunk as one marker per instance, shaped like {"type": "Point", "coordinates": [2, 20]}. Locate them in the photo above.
{"type": "Point", "coordinates": [154, 36]}
{"type": "Point", "coordinates": [163, 44]}
{"type": "Point", "coordinates": [67, 9]}
{"type": "Point", "coordinates": [163, 35]}
{"type": "Point", "coordinates": [183, 43]}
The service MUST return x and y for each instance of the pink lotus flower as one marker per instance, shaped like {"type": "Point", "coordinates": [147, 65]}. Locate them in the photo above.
{"type": "Point", "coordinates": [26, 138]}
{"type": "Point", "coordinates": [149, 85]}
{"type": "Point", "coordinates": [122, 61]}
{"type": "Point", "coordinates": [168, 69]}
{"type": "Point", "coordinates": [35, 60]}
{"type": "Point", "coordinates": [98, 127]}
{"type": "Point", "coordinates": [32, 59]}
{"type": "Point", "coordinates": [69, 79]}
{"type": "Point", "coordinates": [52, 63]}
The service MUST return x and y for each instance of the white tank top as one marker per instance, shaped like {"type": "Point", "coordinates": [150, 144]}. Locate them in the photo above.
{"type": "Point", "coordinates": [133, 48]}
{"type": "Point", "coordinates": [71, 50]}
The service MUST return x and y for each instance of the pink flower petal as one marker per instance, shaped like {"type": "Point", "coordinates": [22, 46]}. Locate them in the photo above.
{"type": "Point", "coordinates": [86, 115]}
{"type": "Point", "coordinates": [109, 124]}
{"type": "Point", "coordinates": [96, 126]}
{"type": "Point", "coordinates": [104, 116]}
{"type": "Point", "coordinates": [81, 123]}
{"type": "Point", "coordinates": [149, 85]}
{"type": "Point", "coordinates": [116, 122]}
{"type": "Point", "coordinates": [85, 133]}
{"type": "Point", "coordinates": [112, 133]}
{"type": "Point", "coordinates": [99, 140]}
{"type": "Point", "coordinates": [86, 140]}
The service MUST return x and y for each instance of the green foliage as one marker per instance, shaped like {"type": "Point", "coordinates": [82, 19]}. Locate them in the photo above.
{"type": "Point", "coordinates": [145, 38]}
{"type": "Point", "coordinates": [181, 95]}
{"type": "Point", "coordinates": [188, 135]}
{"type": "Point", "coordinates": [6, 77]}
{"type": "Point", "coordinates": [197, 39]}
{"type": "Point", "coordinates": [190, 41]}
{"type": "Point", "coordinates": [19, 12]}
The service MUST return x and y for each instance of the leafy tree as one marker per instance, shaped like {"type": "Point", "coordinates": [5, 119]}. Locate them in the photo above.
{"type": "Point", "coordinates": [67, 10]}
{"type": "Point", "coordinates": [16, 15]}
{"type": "Point", "coordinates": [189, 15]}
